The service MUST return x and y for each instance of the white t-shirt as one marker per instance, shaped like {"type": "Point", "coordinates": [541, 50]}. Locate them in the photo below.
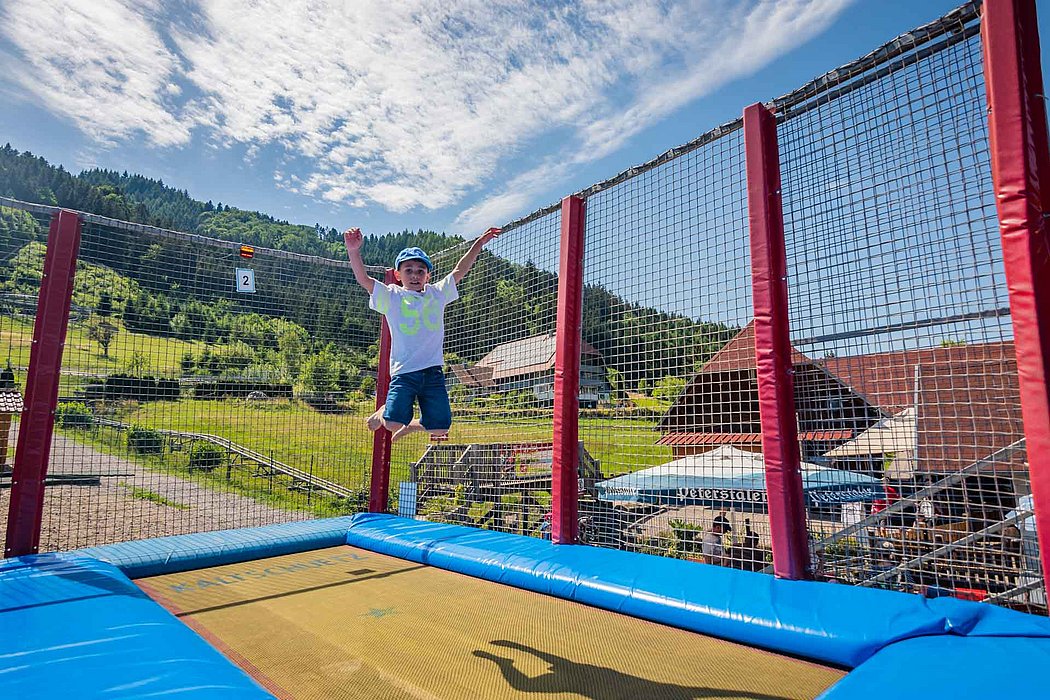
{"type": "Point", "coordinates": [712, 545]}
{"type": "Point", "coordinates": [926, 508]}
{"type": "Point", "coordinates": [417, 323]}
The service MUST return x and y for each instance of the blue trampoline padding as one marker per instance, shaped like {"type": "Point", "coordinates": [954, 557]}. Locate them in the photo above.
{"type": "Point", "coordinates": [165, 555]}
{"type": "Point", "coordinates": [72, 627]}
{"type": "Point", "coordinates": [960, 668]}
{"type": "Point", "coordinates": [843, 625]}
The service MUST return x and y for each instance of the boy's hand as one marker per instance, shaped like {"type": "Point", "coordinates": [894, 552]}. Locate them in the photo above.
{"type": "Point", "coordinates": [490, 234]}
{"type": "Point", "coordinates": [467, 261]}
{"type": "Point", "coordinates": [353, 239]}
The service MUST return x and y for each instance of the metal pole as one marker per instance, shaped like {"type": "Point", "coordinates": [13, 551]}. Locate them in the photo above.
{"type": "Point", "coordinates": [45, 363]}
{"type": "Point", "coordinates": [565, 454]}
{"type": "Point", "coordinates": [1020, 156]}
{"type": "Point", "coordinates": [380, 485]}
{"type": "Point", "coordinates": [776, 398]}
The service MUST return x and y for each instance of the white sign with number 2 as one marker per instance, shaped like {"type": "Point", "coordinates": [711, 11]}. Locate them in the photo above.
{"type": "Point", "coordinates": [245, 280]}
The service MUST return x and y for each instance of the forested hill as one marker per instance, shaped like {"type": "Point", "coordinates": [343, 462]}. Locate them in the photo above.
{"type": "Point", "coordinates": [147, 201]}
{"type": "Point", "coordinates": [641, 345]}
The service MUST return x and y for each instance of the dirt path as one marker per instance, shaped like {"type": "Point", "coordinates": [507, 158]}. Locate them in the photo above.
{"type": "Point", "coordinates": [132, 502]}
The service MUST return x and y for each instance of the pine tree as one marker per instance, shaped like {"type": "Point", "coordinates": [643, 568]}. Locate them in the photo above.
{"type": "Point", "coordinates": [105, 304]}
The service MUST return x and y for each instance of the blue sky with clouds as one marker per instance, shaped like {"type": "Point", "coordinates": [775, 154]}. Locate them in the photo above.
{"type": "Point", "coordinates": [406, 113]}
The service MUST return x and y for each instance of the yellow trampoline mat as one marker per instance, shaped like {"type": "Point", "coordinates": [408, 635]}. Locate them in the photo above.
{"type": "Point", "coordinates": [349, 623]}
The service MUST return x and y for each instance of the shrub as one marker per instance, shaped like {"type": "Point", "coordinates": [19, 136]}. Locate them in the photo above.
{"type": "Point", "coordinates": [73, 414]}
{"type": "Point", "coordinates": [847, 546]}
{"type": "Point", "coordinates": [239, 389]}
{"type": "Point", "coordinates": [124, 386]}
{"type": "Point", "coordinates": [168, 389]}
{"type": "Point", "coordinates": [358, 503]}
{"type": "Point", "coordinates": [669, 388]}
{"type": "Point", "coordinates": [206, 455]}
{"type": "Point", "coordinates": [480, 512]}
{"type": "Point", "coordinates": [145, 441]}
{"type": "Point", "coordinates": [687, 536]}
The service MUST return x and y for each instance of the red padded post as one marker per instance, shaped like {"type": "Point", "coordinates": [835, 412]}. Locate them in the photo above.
{"type": "Point", "coordinates": [45, 365]}
{"type": "Point", "coordinates": [1021, 172]}
{"type": "Point", "coordinates": [565, 457]}
{"type": "Point", "coordinates": [776, 399]}
{"type": "Point", "coordinates": [380, 484]}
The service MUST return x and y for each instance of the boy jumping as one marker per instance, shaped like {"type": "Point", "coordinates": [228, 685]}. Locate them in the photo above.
{"type": "Point", "coordinates": [415, 313]}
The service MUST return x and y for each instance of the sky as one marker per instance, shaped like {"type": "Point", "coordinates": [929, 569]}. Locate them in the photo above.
{"type": "Point", "coordinates": [407, 114]}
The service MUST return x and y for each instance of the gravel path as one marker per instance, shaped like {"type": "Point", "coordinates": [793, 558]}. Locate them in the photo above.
{"type": "Point", "coordinates": [83, 516]}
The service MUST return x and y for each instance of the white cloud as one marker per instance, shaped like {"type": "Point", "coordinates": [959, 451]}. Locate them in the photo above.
{"type": "Point", "coordinates": [98, 63]}
{"type": "Point", "coordinates": [518, 195]}
{"type": "Point", "coordinates": [749, 39]}
{"type": "Point", "coordinates": [403, 104]}
{"type": "Point", "coordinates": [755, 38]}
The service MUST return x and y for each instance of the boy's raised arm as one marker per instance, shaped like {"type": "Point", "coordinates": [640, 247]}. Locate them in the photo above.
{"type": "Point", "coordinates": [467, 261]}
{"type": "Point", "coordinates": [354, 240]}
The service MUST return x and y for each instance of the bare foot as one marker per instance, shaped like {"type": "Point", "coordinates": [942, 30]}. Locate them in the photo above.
{"type": "Point", "coordinates": [375, 421]}
{"type": "Point", "coordinates": [413, 427]}
{"type": "Point", "coordinates": [439, 437]}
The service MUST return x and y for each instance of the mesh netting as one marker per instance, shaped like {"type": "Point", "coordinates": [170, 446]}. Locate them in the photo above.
{"type": "Point", "coordinates": [667, 284]}
{"type": "Point", "coordinates": [494, 470]}
{"type": "Point", "coordinates": [905, 370]}
{"type": "Point", "coordinates": [204, 390]}
{"type": "Point", "coordinates": [23, 236]}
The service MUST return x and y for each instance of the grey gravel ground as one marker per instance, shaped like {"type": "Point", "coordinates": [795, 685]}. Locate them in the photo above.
{"type": "Point", "coordinates": [83, 516]}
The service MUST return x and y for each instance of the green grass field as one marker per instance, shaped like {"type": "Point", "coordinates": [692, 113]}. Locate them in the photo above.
{"type": "Point", "coordinates": [245, 482]}
{"type": "Point", "coordinates": [643, 401]}
{"type": "Point", "coordinates": [83, 355]}
{"type": "Point", "coordinates": [334, 447]}
{"type": "Point", "coordinates": [339, 447]}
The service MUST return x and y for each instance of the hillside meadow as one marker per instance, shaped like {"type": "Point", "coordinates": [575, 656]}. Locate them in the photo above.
{"type": "Point", "coordinates": [339, 447]}
{"type": "Point", "coordinates": [82, 358]}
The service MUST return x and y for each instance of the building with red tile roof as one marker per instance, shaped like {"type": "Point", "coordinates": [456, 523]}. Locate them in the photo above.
{"type": "Point", "coordinates": [963, 401]}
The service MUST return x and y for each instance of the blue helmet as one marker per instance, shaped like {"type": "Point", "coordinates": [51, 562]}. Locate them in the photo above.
{"type": "Point", "coordinates": [413, 254]}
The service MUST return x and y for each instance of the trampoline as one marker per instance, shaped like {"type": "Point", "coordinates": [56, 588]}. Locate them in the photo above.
{"type": "Point", "coordinates": [346, 622]}
{"type": "Point", "coordinates": [377, 606]}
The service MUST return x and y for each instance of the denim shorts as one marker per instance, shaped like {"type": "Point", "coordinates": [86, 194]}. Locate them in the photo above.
{"type": "Point", "coordinates": [428, 387]}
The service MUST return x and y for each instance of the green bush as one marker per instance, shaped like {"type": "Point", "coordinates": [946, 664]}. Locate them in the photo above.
{"type": "Point", "coordinates": [516, 399]}
{"type": "Point", "coordinates": [73, 414]}
{"type": "Point", "coordinates": [669, 388]}
{"type": "Point", "coordinates": [480, 512]}
{"type": "Point", "coordinates": [846, 547]}
{"type": "Point", "coordinates": [206, 455]}
{"type": "Point", "coordinates": [679, 524]}
{"type": "Point", "coordinates": [687, 536]}
{"type": "Point", "coordinates": [145, 441]}
{"type": "Point", "coordinates": [358, 503]}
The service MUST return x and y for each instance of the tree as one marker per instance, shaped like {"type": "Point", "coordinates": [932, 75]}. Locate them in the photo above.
{"type": "Point", "coordinates": [349, 377]}
{"type": "Point", "coordinates": [669, 388]}
{"type": "Point", "coordinates": [233, 358]}
{"type": "Point", "coordinates": [612, 375]}
{"type": "Point", "coordinates": [137, 364]}
{"type": "Point", "coordinates": [102, 331]}
{"type": "Point", "coordinates": [459, 394]}
{"type": "Point", "coordinates": [188, 363]}
{"type": "Point", "coordinates": [320, 373]}
{"type": "Point", "coordinates": [105, 304]}
{"type": "Point", "coordinates": [292, 343]}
